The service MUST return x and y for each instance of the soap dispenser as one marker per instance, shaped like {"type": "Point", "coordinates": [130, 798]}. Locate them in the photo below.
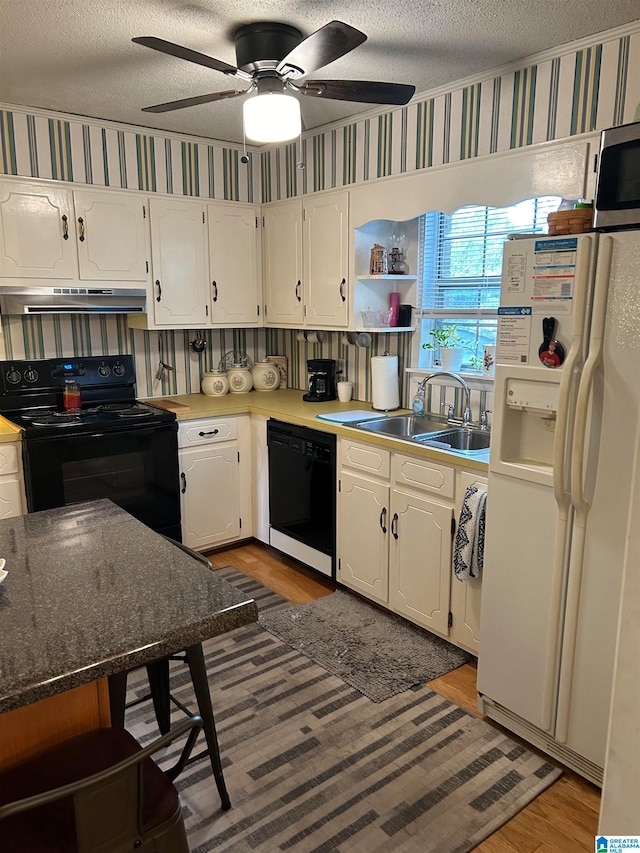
{"type": "Point", "coordinates": [418, 402]}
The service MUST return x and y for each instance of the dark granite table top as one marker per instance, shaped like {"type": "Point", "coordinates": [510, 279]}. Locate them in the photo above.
{"type": "Point", "coordinates": [91, 591]}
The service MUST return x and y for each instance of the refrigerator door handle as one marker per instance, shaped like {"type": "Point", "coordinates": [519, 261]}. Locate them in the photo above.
{"type": "Point", "coordinates": [593, 362]}
{"type": "Point", "coordinates": [570, 370]}
{"type": "Point", "coordinates": [578, 498]}
{"type": "Point", "coordinates": [573, 362]}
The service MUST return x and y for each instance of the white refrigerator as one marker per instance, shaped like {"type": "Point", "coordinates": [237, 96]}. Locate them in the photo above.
{"type": "Point", "coordinates": [561, 477]}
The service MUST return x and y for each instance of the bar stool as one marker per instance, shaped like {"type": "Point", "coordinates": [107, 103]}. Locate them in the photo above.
{"type": "Point", "coordinates": [160, 693]}
{"type": "Point", "coordinates": [100, 792]}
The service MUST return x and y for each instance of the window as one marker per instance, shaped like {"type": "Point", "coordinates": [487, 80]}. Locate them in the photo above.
{"type": "Point", "coordinates": [462, 265]}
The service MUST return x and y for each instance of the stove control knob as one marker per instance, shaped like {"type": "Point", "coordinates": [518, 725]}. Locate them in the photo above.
{"type": "Point", "coordinates": [30, 374]}
{"type": "Point", "coordinates": [13, 376]}
{"type": "Point", "coordinates": [118, 369]}
{"type": "Point", "coordinates": [104, 370]}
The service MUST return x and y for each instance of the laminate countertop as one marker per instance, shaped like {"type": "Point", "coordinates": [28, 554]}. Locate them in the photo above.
{"type": "Point", "coordinates": [91, 591]}
{"type": "Point", "coordinates": [287, 404]}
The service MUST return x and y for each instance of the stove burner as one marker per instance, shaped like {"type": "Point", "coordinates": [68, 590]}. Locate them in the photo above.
{"type": "Point", "coordinates": [31, 414]}
{"type": "Point", "coordinates": [134, 412]}
{"type": "Point", "coordinates": [114, 407]}
{"type": "Point", "coordinates": [57, 419]}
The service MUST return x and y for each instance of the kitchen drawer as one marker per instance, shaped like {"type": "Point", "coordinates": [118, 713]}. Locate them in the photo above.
{"type": "Point", "coordinates": [9, 459]}
{"type": "Point", "coordinates": [423, 476]}
{"type": "Point", "coordinates": [365, 457]}
{"type": "Point", "coordinates": [207, 431]}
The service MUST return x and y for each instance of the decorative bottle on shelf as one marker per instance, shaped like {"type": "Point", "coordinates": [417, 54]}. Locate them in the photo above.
{"type": "Point", "coordinates": [394, 304]}
{"type": "Point", "coordinates": [378, 263]}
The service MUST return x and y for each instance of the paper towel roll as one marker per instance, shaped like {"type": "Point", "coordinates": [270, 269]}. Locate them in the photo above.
{"type": "Point", "coordinates": [384, 382]}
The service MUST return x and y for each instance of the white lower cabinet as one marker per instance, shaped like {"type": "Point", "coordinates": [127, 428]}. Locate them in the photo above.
{"type": "Point", "coordinates": [11, 480]}
{"type": "Point", "coordinates": [396, 523]}
{"type": "Point", "coordinates": [465, 595]}
{"type": "Point", "coordinates": [215, 481]}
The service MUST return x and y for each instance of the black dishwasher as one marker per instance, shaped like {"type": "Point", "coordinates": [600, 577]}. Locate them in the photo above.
{"type": "Point", "coordinates": [302, 494]}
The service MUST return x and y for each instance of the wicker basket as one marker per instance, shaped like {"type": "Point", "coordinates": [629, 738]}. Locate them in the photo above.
{"type": "Point", "coordinates": [570, 221]}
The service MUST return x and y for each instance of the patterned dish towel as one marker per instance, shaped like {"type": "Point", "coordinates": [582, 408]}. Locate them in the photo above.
{"type": "Point", "coordinates": [468, 550]}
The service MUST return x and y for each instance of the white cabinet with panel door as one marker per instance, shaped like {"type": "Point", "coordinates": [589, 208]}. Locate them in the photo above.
{"type": "Point", "coordinates": [465, 595]}
{"type": "Point", "coordinates": [282, 264]}
{"type": "Point", "coordinates": [180, 293]}
{"type": "Point", "coordinates": [305, 262]}
{"type": "Point", "coordinates": [49, 232]}
{"type": "Point", "coordinates": [215, 480]}
{"type": "Point", "coordinates": [396, 522]}
{"type": "Point", "coordinates": [235, 266]}
{"type": "Point", "coordinates": [325, 268]}
{"type": "Point", "coordinates": [11, 479]}
{"type": "Point", "coordinates": [420, 541]}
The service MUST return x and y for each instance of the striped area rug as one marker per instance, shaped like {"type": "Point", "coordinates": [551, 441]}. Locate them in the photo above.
{"type": "Point", "coordinates": [314, 766]}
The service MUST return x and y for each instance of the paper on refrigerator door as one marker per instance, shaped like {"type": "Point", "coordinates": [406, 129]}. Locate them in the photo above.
{"type": "Point", "coordinates": [514, 335]}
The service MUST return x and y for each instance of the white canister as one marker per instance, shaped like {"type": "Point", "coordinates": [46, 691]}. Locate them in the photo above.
{"type": "Point", "coordinates": [266, 376]}
{"type": "Point", "coordinates": [240, 379]}
{"type": "Point", "coordinates": [215, 383]}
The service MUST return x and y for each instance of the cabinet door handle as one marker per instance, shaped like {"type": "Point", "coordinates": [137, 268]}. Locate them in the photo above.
{"type": "Point", "coordinates": [65, 227]}
{"type": "Point", "coordinates": [298, 286]}
{"type": "Point", "coordinates": [184, 482]}
{"type": "Point", "coordinates": [342, 284]}
{"type": "Point", "coordinates": [394, 525]}
{"type": "Point", "coordinates": [383, 519]}
{"type": "Point", "coordinates": [159, 286]}
{"type": "Point", "coordinates": [214, 285]}
{"type": "Point", "coordinates": [213, 432]}
{"type": "Point", "coordinates": [81, 224]}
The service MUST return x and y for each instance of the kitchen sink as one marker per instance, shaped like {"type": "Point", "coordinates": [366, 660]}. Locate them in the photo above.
{"type": "Point", "coordinates": [430, 432]}
{"type": "Point", "coordinates": [459, 438]}
{"type": "Point", "coordinates": [403, 426]}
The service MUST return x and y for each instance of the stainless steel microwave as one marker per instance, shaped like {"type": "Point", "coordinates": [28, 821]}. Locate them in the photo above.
{"type": "Point", "coordinates": [617, 202]}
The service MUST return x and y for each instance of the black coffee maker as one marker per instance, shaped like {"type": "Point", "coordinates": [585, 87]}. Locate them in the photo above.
{"type": "Point", "coordinates": [322, 380]}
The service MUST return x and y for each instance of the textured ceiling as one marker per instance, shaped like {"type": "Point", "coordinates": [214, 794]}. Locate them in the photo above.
{"type": "Point", "coordinates": [76, 56]}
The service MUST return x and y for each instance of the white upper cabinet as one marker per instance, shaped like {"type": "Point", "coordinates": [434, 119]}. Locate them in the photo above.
{"type": "Point", "coordinates": [235, 267]}
{"type": "Point", "coordinates": [282, 264]}
{"type": "Point", "coordinates": [59, 234]}
{"type": "Point", "coordinates": [325, 245]}
{"type": "Point", "coordinates": [306, 259]}
{"type": "Point", "coordinates": [111, 233]}
{"type": "Point", "coordinates": [179, 263]}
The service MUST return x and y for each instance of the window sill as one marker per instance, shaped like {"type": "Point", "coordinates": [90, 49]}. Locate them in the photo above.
{"type": "Point", "coordinates": [472, 378]}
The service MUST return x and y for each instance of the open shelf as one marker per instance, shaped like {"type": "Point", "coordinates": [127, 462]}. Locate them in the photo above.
{"type": "Point", "coordinates": [385, 329]}
{"type": "Point", "coordinates": [389, 277]}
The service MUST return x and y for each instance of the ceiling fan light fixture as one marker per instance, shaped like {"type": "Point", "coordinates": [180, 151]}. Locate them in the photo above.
{"type": "Point", "coordinates": [271, 117]}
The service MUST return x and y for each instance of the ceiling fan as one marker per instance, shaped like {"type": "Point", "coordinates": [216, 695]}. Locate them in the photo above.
{"type": "Point", "coordinates": [270, 57]}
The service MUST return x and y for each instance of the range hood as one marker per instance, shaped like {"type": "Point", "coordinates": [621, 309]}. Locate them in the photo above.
{"type": "Point", "coordinates": [72, 300]}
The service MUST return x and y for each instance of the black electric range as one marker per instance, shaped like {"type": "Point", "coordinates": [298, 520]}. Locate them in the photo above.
{"type": "Point", "coordinates": [111, 446]}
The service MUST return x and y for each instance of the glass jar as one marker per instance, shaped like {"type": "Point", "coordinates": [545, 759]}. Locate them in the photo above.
{"type": "Point", "coordinates": [215, 383]}
{"type": "Point", "coordinates": [71, 399]}
{"type": "Point", "coordinates": [266, 376]}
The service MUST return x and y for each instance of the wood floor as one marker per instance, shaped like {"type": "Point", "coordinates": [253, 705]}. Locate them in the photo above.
{"type": "Point", "coordinates": [563, 819]}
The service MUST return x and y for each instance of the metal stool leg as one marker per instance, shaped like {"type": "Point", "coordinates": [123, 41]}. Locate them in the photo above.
{"type": "Point", "coordinates": [195, 659]}
{"type": "Point", "coordinates": [158, 674]}
{"type": "Point", "coordinates": [117, 696]}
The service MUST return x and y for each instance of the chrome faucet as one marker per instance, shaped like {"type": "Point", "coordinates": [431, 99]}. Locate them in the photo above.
{"type": "Point", "coordinates": [466, 415]}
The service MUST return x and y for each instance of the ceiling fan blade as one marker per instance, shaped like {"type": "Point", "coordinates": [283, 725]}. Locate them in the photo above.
{"type": "Point", "coordinates": [185, 53]}
{"type": "Point", "coordinates": [362, 91]}
{"type": "Point", "coordinates": [320, 48]}
{"type": "Point", "coordinates": [194, 102]}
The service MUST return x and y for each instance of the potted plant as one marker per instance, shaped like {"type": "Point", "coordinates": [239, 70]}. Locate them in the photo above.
{"type": "Point", "coordinates": [451, 347]}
